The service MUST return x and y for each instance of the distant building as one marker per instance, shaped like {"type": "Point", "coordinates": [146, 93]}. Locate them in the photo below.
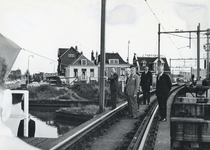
{"type": "Point", "coordinates": [76, 67]}
{"type": "Point", "coordinates": [82, 69]}
{"type": "Point", "coordinates": [114, 60]}
{"type": "Point", "coordinates": [152, 63]}
{"type": "Point", "coordinates": [66, 56]}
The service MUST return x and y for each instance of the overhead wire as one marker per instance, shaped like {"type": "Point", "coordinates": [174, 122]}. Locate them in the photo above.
{"type": "Point", "coordinates": [162, 26]}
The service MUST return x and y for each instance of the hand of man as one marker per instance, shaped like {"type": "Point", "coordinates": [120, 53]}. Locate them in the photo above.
{"type": "Point", "coordinates": [106, 78]}
{"type": "Point", "coordinates": [151, 88]}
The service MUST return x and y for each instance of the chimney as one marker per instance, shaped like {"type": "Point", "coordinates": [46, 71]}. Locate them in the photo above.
{"type": "Point", "coordinates": [76, 48]}
{"type": "Point", "coordinates": [92, 56]}
{"type": "Point", "coordinates": [96, 57]}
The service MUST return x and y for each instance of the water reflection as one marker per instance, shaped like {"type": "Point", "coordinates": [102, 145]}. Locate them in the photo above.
{"type": "Point", "coordinates": [46, 123]}
{"type": "Point", "coordinates": [48, 116]}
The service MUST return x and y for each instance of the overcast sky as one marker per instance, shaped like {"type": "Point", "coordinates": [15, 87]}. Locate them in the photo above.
{"type": "Point", "coordinates": [43, 26]}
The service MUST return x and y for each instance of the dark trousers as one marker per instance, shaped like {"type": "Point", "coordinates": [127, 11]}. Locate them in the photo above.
{"type": "Point", "coordinates": [138, 99]}
{"type": "Point", "coordinates": [113, 98]}
{"type": "Point", "coordinates": [146, 94]}
{"type": "Point", "coordinates": [162, 102]}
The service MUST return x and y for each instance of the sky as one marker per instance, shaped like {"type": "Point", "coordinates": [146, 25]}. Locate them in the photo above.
{"type": "Point", "coordinates": [40, 27]}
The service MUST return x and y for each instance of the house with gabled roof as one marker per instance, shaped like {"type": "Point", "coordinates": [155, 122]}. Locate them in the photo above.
{"type": "Point", "coordinates": [152, 63]}
{"type": "Point", "coordinates": [66, 56]}
{"type": "Point", "coordinates": [114, 60]}
{"type": "Point", "coordinates": [82, 69]}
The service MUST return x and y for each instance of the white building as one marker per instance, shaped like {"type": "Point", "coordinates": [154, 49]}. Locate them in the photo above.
{"type": "Point", "coordinates": [82, 69]}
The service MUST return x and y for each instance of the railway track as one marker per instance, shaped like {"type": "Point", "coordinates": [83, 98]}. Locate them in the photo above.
{"type": "Point", "coordinates": [100, 124]}
{"type": "Point", "coordinates": [142, 136]}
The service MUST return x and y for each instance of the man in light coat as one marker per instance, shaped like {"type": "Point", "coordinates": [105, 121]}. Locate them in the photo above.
{"type": "Point", "coordinates": [132, 88]}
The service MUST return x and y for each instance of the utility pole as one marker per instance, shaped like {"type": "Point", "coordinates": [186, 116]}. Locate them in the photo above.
{"type": "Point", "coordinates": [128, 51]}
{"type": "Point", "coordinates": [198, 52]}
{"type": "Point", "coordinates": [207, 48]}
{"type": "Point", "coordinates": [158, 45]}
{"type": "Point", "coordinates": [102, 60]}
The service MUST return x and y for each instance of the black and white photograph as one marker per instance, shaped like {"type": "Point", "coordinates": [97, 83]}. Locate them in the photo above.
{"type": "Point", "coordinates": [104, 75]}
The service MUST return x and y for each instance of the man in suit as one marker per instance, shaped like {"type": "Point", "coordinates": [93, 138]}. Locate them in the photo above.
{"type": "Point", "coordinates": [127, 74]}
{"type": "Point", "coordinates": [146, 84]}
{"type": "Point", "coordinates": [163, 87]}
{"type": "Point", "coordinates": [31, 128]}
{"type": "Point", "coordinates": [31, 125]}
{"type": "Point", "coordinates": [113, 87]}
{"type": "Point", "coordinates": [132, 88]}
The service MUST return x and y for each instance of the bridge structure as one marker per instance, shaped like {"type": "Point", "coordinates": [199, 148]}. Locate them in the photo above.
{"type": "Point", "coordinates": [113, 129]}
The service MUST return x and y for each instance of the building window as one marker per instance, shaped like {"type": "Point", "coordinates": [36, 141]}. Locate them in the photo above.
{"type": "Point", "coordinates": [84, 62]}
{"type": "Point", "coordinates": [113, 61]}
{"type": "Point", "coordinates": [75, 72]}
{"type": "Point", "coordinates": [92, 72]}
{"type": "Point", "coordinates": [71, 55]}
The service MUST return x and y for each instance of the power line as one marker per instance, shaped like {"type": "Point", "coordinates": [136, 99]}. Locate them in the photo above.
{"type": "Point", "coordinates": [39, 55]}
{"type": "Point", "coordinates": [152, 12]}
{"type": "Point", "coordinates": [43, 57]}
{"type": "Point", "coordinates": [162, 26]}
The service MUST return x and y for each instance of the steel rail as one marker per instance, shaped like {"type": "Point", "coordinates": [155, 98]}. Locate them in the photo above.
{"type": "Point", "coordinates": [89, 126]}
{"type": "Point", "coordinates": [141, 146]}
{"type": "Point", "coordinates": [141, 135]}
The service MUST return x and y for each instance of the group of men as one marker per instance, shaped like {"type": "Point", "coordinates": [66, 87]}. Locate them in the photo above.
{"type": "Point", "coordinates": [134, 84]}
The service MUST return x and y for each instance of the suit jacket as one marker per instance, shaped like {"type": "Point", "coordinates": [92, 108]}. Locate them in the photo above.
{"type": "Point", "coordinates": [113, 82]}
{"type": "Point", "coordinates": [146, 79]}
{"type": "Point", "coordinates": [132, 85]}
{"type": "Point", "coordinates": [31, 128]}
{"type": "Point", "coordinates": [163, 85]}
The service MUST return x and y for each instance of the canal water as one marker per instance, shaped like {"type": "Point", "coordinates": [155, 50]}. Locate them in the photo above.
{"type": "Point", "coordinates": [45, 120]}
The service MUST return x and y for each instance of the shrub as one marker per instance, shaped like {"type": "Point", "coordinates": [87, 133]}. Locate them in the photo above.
{"type": "Point", "coordinates": [45, 92]}
{"type": "Point", "coordinates": [87, 91]}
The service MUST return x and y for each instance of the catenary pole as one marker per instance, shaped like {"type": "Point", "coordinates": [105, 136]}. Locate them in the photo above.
{"type": "Point", "coordinates": [158, 45]}
{"type": "Point", "coordinates": [102, 57]}
{"type": "Point", "coordinates": [198, 52]}
{"type": "Point", "coordinates": [207, 49]}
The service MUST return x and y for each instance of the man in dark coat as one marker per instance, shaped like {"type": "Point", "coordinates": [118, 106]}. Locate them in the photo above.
{"type": "Point", "coordinates": [146, 84]}
{"type": "Point", "coordinates": [31, 128]}
{"type": "Point", "coordinates": [113, 87]}
{"type": "Point", "coordinates": [163, 87]}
